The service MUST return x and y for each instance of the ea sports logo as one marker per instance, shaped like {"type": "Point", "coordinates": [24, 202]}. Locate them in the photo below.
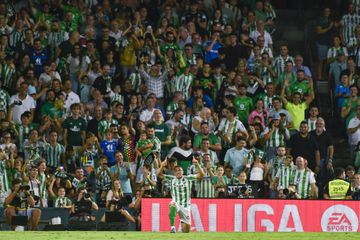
{"type": "Point", "coordinates": [339, 218]}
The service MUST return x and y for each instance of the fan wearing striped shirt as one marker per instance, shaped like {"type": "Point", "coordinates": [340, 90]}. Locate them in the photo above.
{"type": "Point", "coordinates": [282, 176]}
{"type": "Point", "coordinates": [304, 180]}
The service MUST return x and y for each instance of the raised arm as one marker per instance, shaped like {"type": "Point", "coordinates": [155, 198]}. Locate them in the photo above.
{"type": "Point", "coordinates": [282, 95]}
{"type": "Point", "coordinates": [312, 94]}
{"type": "Point", "coordinates": [201, 172]}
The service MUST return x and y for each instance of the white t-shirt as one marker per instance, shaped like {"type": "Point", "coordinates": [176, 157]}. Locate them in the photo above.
{"type": "Point", "coordinates": [147, 114]}
{"type": "Point", "coordinates": [27, 104]}
{"type": "Point", "coordinates": [267, 37]}
{"type": "Point", "coordinates": [355, 137]}
{"type": "Point", "coordinates": [71, 98]}
{"type": "Point", "coordinates": [46, 78]}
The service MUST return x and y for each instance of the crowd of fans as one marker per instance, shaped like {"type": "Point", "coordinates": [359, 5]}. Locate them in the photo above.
{"type": "Point", "coordinates": [96, 95]}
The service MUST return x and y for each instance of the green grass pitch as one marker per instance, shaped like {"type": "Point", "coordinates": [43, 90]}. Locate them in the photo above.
{"type": "Point", "coordinates": [65, 235]}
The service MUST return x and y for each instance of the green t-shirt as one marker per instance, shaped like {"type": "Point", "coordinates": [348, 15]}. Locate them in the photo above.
{"type": "Point", "coordinates": [75, 11]}
{"type": "Point", "coordinates": [215, 180]}
{"type": "Point", "coordinates": [166, 46]}
{"type": "Point", "coordinates": [281, 79]}
{"type": "Point", "coordinates": [45, 18]}
{"type": "Point", "coordinates": [352, 112]}
{"type": "Point", "coordinates": [50, 110]}
{"type": "Point", "coordinates": [142, 143]}
{"type": "Point", "coordinates": [243, 107]}
{"type": "Point", "coordinates": [74, 127]}
{"type": "Point", "coordinates": [213, 139]}
{"type": "Point", "coordinates": [162, 131]}
{"type": "Point", "coordinates": [300, 87]}
{"type": "Point", "coordinates": [171, 108]}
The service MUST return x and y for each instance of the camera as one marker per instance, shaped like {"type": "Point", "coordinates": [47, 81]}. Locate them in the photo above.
{"type": "Point", "coordinates": [122, 202]}
{"type": "Point", "coordinates": [87, 195]}
{"type": "Point", "coordinates": [290, 192]}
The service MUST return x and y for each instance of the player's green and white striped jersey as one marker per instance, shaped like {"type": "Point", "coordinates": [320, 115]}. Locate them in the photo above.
{"type": "Point", "coordinates": [303, 179]}
{"type": "Point", "coordinates": [181, 189]}
{"type": "Point", "coordinates": [284, 174]}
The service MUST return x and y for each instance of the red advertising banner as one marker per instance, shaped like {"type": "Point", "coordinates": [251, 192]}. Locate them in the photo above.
{"type": "Point", "coordinates": [250, 215]}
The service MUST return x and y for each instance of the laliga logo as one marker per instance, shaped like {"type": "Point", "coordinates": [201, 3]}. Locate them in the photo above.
{"type": "Point", "coordinates": [339, 218]}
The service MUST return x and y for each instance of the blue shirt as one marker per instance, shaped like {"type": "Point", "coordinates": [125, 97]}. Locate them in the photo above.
{"type": "Point", "coordinates": [236, 158]}
{"type": "Point", "coordinates": [206, 99]}
{"type": "Point", "coordinates": [341, 89]}
{"type": "Point", "coordinates": [213, 53]}
{"type": "Point", "coordinates": [38, 59]}
{"type": "Point", "coordinates": [123, 177]}
{"type": "Point", "coordinates": [109, 148]}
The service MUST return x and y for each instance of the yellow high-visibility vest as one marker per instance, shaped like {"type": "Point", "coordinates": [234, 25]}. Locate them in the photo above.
{"type": "Point", "coordinates": [338, 189]}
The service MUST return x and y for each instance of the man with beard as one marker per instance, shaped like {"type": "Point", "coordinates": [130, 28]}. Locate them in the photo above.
{"type": "Point", "coordinates": [326, 149]}
{"type": "Point", "coordinates": [303, 144]}
{"type": "Point", "coordinates": [184, 153]}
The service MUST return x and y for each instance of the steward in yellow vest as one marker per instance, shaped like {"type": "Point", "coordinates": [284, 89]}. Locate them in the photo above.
{"type": "Point", "coordinates": [338, 188]}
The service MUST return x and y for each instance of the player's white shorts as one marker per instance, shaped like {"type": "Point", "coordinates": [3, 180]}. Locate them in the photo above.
{"type": "Point", "coordinates": [184, 213]}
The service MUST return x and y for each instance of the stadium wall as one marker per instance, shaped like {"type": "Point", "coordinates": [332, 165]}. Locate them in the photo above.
{"type": "Point", "coordinates": [250, 215]}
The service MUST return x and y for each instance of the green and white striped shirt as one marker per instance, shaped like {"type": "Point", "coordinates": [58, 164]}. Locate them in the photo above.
{"type": "Point", "coordinates": [171, 108]}
{"type": "Point", "coordinates": [206, 187]}
{"type": "Point", "coordinates": [3, 176]}
{"type": "Point", "coordinates": [62, 201]}
{"type": "Point", "coordinates": [15, 37]}
{"type": "Point", "coordinates": [311, 124]}
{"type": "Point", "coordinates": [181, 189]}
{"type": "Point", "coordinates": [183, 84]}
{"type": "Point", "coordinates": [333, 52]}
{"type": "Point", "coordinates": [349, 22]}
{"type": "Point", "coordinates": [190, 61]}
{"type": "Point", "coordinates": [104, 180]}
{"type": "Point", "coordinates": [136, 80]}
{"type": "Point", "coordinates": [53, 154]}
{"type": "Point", "coordinates": [284, 174]}
{"type": "Point", "coordinates": [277, 138]}
{"type": "Point", "coordinates": [274, 165]}
{"type": "Point", "coordinates": [117, 97]}
{"type": "Point", "coordinates": [170, 87]}
{"type": "Point", "coordinates": [43, 189]}
{"type": "Point", "coordinates": [55, 39]}
{"type": "Point", "coordinates": [23, 135]}
{"type": "Point", "coordinates": [303, 179]}
{"type": "Point", "coordinates": [7, 75]}
{"type": "Point", "coordinates": [4, 100]}
{"type": "Point", "coordinates": [279, 63]}
{"type": "Point", "coordinates": [104, 124]}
